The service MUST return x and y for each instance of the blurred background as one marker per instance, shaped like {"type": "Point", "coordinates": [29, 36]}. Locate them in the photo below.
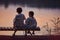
{"type": "Point", "coordinates": [47, 14]}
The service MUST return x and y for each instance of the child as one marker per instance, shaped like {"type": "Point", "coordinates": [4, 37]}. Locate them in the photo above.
{"type": "Point", "coordinates": [19, 19]}
{"type": "Point", "coordinates": [31, 21]}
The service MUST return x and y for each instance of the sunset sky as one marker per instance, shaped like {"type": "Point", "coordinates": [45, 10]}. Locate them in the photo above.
{"type": "Point", "coordinates": [42, 15]}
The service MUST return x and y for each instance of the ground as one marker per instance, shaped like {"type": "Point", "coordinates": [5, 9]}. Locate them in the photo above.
{"type": "Point", "coordinates": [36, 37]}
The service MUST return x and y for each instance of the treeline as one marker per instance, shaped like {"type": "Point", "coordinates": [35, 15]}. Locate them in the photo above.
{"type": "Point", "coordinates": [34, 3]}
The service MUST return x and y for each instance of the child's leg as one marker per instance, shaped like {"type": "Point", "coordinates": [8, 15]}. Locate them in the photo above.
{"type": "Point", "coordinates": [29, 32]}
{"type": "Point", "coordinates": [14, 33]}
{"type": "Point", "coordinates": [25, 32]}
{"type": "Point", "coordinates": [33, 32]}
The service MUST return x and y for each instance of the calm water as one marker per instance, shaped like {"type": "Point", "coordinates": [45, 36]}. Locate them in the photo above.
{"type": "Point", "coordinates": [42, 15]}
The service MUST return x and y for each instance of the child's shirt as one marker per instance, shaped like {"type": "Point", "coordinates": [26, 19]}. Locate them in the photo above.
{"type": "Point", "coordinates": [19, 20]}
{"type": "Point", "coordinates": [31, 22]}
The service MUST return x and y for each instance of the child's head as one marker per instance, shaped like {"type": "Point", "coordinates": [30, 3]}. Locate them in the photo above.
{"type": "Point", "coordinates": [31, 14]}
{"type": "Point", "coordinates": [19, 10]}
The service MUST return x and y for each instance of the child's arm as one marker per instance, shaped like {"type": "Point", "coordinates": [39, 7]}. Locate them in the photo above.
{"type": "Point", "coordinates": [27, 22]}
{"type": "Point", "coordinates": [24, 17]}
{"type": "Point", "coordinates": [34, 24]}
{"type": "Point", "coordinates": [14, 24]}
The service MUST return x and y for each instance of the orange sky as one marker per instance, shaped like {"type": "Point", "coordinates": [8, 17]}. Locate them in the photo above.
{"type": "Point", "coordinates": [42, 15]}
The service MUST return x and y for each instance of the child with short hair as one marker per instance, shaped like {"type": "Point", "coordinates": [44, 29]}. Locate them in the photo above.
{"type": "Point", "coordinates": [19, 19]}
{"type": "Point", "coordinates": [31, 21]}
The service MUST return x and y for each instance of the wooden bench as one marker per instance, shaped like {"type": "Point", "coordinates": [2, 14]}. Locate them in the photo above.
{"type": "Point", "coordinates": [12, 29]}
{"type": "Point", "coordinates": [20, 29]}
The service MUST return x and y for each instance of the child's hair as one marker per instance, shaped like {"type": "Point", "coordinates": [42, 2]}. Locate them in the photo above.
{"type": "Point", "coordinates": [31, 13]}
{"type": "Point", "coordinates": [19, 10]}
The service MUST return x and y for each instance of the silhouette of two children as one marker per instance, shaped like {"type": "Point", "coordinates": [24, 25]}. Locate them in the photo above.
{"type": "Point", "coordinates": [19, 21]}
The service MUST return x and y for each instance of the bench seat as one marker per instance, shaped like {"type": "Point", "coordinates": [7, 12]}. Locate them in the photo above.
{"type": "Point", "coordinates": [20, 29]}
